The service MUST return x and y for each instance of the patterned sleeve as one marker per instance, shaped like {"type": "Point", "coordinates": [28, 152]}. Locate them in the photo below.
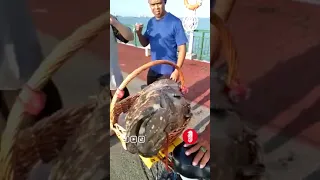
{"type": "Point", "coordinates": [118, 35]}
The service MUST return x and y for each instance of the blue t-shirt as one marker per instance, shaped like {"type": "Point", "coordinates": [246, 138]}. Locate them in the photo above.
{"type": "Point", "coordinates": [165, 35]}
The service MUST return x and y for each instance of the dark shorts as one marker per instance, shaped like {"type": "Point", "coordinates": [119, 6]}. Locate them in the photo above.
{"type": "Point", "coordinates": [125, 95]}
{"type": "Point", "coordinates": [104, 81]}
{"type": "Point", "coordinates": [153, 76]}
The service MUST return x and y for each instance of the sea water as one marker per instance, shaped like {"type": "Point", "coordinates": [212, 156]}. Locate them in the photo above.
{"type": "Point", "coordinates": [203, 24]}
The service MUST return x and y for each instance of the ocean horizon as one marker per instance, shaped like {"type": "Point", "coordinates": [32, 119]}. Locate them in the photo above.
{"type": "Point", "coordinates": [204, 23]}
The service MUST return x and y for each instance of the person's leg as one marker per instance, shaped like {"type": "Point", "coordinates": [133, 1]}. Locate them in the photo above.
{"type": "Point", "coordinates": [126, 93]}
{"type": "Point", "coordinates": [53, 100]}
{"type": "Point", "coordinates": [111, 94]}
{"type": "Point", "coordinates": [125, 90]}
{"type": "Point", "coordinates": [4, 109]}
{"type": "Point", "coordinates": [153, 76]}
{"type": "Point", "coordinates": [4, 112]}
{"type": "Point", "coordinates": [8, 98]}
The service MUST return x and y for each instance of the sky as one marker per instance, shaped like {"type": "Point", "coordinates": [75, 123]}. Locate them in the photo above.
{"type": "Point", "coordinates": [141, 7]}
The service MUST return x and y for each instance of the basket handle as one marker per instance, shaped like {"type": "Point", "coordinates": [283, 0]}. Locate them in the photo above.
{"type": "Point", "coordinates": [60, 54]}
{"type": "Point", "coordinates": [67, 48]}
{"type": "Point", "coordinates": [135, 73]}
{"type": "Point", "coordinates": [228, 46]}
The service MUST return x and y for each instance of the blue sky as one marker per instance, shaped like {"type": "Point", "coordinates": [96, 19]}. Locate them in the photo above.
{"type": "Point", "coordinates": [141, 7]}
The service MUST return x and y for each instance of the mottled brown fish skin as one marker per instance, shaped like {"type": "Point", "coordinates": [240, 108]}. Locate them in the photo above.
{"type": "Point", "coordinates": [160, 109]}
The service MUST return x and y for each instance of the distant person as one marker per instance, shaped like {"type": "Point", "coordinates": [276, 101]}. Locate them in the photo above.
{"type": "Point", "coordinates": [20, 56]}
{"type": "Point", "coordinates": [166, 37]}
{"type": "Point", "coordinates": [124, 34]}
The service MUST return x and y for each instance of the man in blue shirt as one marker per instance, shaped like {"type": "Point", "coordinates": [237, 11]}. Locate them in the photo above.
{"type": "Point", "coordinates": [166, 37]}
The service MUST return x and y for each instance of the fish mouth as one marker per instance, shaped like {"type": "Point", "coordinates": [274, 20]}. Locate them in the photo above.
{"type": "Point", "coordinates": [132, 147]}
{"type": "Point", "coordinates": [155, 148]}
{"type": "Point", "coordinates": [135, 131]}
{"type": "Point", "coordinates": [154, 141]}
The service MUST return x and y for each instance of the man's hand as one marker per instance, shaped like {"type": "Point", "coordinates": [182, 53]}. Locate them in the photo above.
{"type": "Point", "coordinates": [139, 28]}
{"type": "Point", "coordinates": [202, 147]}
{"type": "Point", "coordinates": [175, 75]}
{"type": "Point", "coordinates": [113, 20]}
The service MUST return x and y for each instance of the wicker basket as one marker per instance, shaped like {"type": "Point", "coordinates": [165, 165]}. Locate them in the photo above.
{"type": "Point", "coordinates": [116, 108]}
{"type": "Point", "coordinates": [22, 147]}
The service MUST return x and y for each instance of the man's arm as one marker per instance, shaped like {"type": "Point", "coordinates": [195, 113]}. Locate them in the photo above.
{"type": "Point", "coordinates": [181, 55]}
{"type": "Point", "coordinates": [181, 40]}
{"type": "Point", "coordinates": [142, 39]}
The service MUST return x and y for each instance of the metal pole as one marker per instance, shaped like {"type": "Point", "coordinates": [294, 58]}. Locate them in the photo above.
{"type": "Point", "coordinates": [190, 24]}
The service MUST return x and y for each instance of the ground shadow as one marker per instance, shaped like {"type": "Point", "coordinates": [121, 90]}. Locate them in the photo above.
{"type": "Point", "coordinates": [202, 123]}
{"type": "Point", "coordinates": [278, 89]}
{"type": "Point", "coordinates": [306, 119]}
{"type": "Point", "coordinates": [200, 87]}
{"type": "Point", "coordinates": [315, 175]}
{"type": "Point", "coordinates": [114, 140]}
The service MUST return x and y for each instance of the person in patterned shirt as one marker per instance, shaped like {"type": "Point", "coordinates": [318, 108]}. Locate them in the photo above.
{"type": "Point", "coordinates": [20, 56]}
{"type": "Point", "coordinates": [124, 34]}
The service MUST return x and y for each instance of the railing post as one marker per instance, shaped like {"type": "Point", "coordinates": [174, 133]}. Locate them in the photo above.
{"type": "Point", "coordinates": [147, 50]}
{"type": "Point", "coordinates": [135, 39]}
{"type": "Point", "coordinates": [201, 44]}
{"type": "Point", "coordinates": [190, 24]}
{"type": "Point", "coordinates": [190, 42]}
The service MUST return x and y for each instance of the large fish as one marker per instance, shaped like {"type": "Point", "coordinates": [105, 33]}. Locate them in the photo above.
{"type": "Point", "coordinates": [160, 109]}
